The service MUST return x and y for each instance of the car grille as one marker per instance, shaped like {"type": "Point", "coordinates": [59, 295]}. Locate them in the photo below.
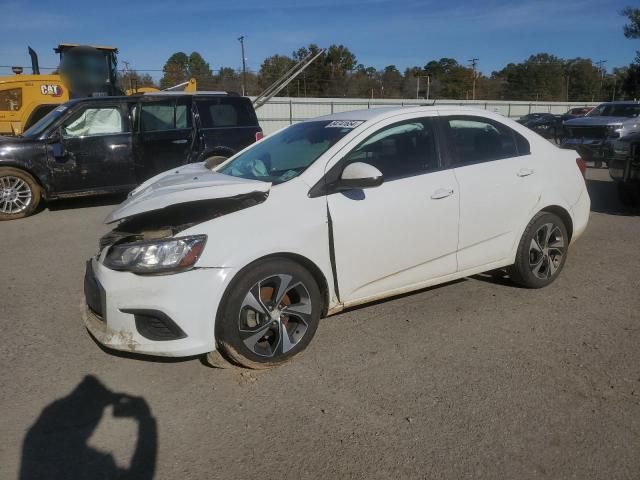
{"type": "Point", "coordinates": [588, 132]}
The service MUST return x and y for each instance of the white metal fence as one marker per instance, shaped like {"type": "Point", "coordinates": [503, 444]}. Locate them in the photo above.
{"type": "Point", "coordinates": [282, 111]}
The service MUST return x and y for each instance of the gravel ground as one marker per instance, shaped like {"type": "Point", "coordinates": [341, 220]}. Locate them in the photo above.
{"type": "Point", "coordinates": [473, 379]}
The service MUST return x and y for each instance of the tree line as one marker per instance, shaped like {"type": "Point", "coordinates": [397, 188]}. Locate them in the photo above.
{"type": "Point", "coordinates": [337, 73]}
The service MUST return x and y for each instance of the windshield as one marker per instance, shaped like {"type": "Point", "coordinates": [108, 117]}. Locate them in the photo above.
{"type": "Point", "coordinates": [285, 155]}
{"type": "Point", "coordinates": [616, 110]}
{"type": "Point", "coordinates": [41, 125]}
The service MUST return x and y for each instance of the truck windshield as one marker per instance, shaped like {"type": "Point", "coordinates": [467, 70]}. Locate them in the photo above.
{"type": "Point", "coordinates": [41, 125]}
{"type": "Point", "coordinates": [285, 155]}
{"type": "Point", "coordinates": [616, 110]}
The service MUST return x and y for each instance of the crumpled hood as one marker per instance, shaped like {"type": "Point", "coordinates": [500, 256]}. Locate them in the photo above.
{"type": "Point", "coordinates": [597, 121]}
{"type": "Point", "coordinates": [190, 183]}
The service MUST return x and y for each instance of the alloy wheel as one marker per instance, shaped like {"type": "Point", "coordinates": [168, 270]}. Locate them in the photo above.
{"type": "Point", "coordinates": [546, 251]}
{"type": "Point", "coordinates": [15, 194]}
{"type": "Point", "coordinates": [275, 315]}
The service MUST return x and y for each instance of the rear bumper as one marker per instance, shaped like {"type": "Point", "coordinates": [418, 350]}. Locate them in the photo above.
{"type": "Point", "coordinates": [165, 315]}
{"type": "Point", "coordinates": [581, 211]}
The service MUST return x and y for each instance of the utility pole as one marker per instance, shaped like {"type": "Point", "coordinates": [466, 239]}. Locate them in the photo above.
{"type": "Point", "coordinates": [244, 66]}
{"type": "Point", "coordinates": [418, 77]}
{"type": "Point", "coordinates": [127, 76]}
{"type": "Point", "coordinates": [474, 62]}
{"type": "Point", "coordinates": [600, 64]}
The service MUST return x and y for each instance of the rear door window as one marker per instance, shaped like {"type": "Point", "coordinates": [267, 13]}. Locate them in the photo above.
{"type": "Point", "coordinates": [226, 112]}
{"type": "Point", "coordinates": [477, 140]}
{"type": "Point", "coordinates": [163, 115]}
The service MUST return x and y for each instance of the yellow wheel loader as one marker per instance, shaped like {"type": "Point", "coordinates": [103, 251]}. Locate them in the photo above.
{"type": "Point", "coordinates": [84, 71]}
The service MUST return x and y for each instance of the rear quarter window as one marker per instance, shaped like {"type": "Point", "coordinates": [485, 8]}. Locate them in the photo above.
{"type": "Point", "coordinates": [226, 112]}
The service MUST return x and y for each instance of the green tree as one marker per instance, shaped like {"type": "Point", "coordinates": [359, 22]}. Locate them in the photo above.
{"type": "Point", "coordinates": [540, 77]}
{"type": "Point", "coordinates": [449, 79]}
{"type": "Point", "coordinates": [632, 29]}
{"type": "Point", "coordinates": [132, 79]}
{"type": "Point", "coordinates": [273, 68]}
{"type": "Point", "coordinates": [392, 82]}
{"type": "Point", "coordinates": [199, 69]}
{"type": "Point", "coordinates": [631, 81]}
{"type": "Point", "coordinates": [176, 70]}
{"type": "Point", "coordinates": [180, 67]}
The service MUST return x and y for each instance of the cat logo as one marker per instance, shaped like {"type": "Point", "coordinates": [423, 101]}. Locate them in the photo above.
{"type": "Point", "coordinates": [52, 90]}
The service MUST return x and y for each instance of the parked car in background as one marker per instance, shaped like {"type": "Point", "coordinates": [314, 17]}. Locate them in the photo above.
{"type": "Point", "coordinates": [624, 169]}
{"type": "Point", "coordinates": [104, 145]}
{"type": "Point", "coordinates": [575, 113]}
{"type": "Point", "coordinates": [329, 213]}
{"type": "Point", "coordinates": [593, 135]}
{"type": "Point", "coordinates": [545, 124]}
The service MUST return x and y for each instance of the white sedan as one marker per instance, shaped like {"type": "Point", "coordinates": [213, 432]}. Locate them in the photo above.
{"type": "Point", "coordinates": [242, 259]}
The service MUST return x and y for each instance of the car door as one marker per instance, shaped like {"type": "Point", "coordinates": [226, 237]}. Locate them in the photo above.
{"type": "Point", "coordinates": [165, 134]}
{"type": "Point", "coordinates": [405, 231]}
{"type": "Point", "coordinates": [498, 187]}
{"type": "Point", "coordinates": [94, 150]}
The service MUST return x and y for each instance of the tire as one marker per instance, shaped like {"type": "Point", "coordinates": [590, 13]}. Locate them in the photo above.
{"type": "Point", "coordinates": [253, 328]}
{"type": "Point", "coordinates": [542, 252]}
{"type": "Point", "coordinates": [20, 194]}
{"type": "Point", "coordinates": [629, 194]}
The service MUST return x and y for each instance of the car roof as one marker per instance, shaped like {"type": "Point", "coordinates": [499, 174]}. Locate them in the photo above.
{"type": "Point", "coordinates": [160, 94]}
{"type": "Point", "coordinates": [380, 113]}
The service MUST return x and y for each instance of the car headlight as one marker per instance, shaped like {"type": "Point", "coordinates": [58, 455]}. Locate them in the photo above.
{"type": "Point", "coordinates": [614, 130]}
{"type": "Point", "coordinates": [156, 256]}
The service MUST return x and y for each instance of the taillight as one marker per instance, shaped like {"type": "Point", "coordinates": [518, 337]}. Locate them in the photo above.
{"type": "Point", "coordinates": [259, 135]}
{"type": "Point", "coordinates": [582, 166]}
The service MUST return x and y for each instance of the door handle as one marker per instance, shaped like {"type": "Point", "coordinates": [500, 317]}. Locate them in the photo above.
{"type": "Point", "coordinates": [525, 172]}
{"type": "Point", "coordinates": [442, 193]}
{"type": "Point", "coordinates": [117, 146]}
{"type": "Point", "coordinates": [177, 142]}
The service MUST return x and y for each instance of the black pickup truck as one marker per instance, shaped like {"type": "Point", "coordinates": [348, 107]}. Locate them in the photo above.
{"type": "Point", "coordinates": [624, 169]}
{"type": "Point", "coordinates": [102, 145]}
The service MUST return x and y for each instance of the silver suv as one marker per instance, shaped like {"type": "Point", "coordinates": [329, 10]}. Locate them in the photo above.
{"type": "Point", "coordinates": [593, 135]}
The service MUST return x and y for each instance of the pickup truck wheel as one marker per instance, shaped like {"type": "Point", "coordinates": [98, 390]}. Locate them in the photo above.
{"type": "Point", "coordinates": [20, 194]}
{"type": "Point", "coordinates": [542, 251]}
{"type": "Point", "coordinates": [270, 314]}
{"type": "Point", "coordinates": [629, 194]}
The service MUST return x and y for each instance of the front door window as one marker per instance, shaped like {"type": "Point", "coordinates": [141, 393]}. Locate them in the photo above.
{"type": "Point", "coordinates": [94, 121]}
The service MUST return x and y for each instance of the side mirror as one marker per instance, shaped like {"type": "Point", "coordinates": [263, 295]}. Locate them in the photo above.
{"type": "Point", "coordinates": [359, 175]}
{"type": "Point", "coordinates": [57, 148]}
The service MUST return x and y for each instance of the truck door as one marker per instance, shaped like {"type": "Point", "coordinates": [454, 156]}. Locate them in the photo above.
{"type": "Point", "coordinates": [165, 136]}
{"type": "Point", "coordinates": [94, 150]}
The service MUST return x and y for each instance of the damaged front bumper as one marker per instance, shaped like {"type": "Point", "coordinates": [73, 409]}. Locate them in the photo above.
{"type": "Point", "coordinates": [165, 315]}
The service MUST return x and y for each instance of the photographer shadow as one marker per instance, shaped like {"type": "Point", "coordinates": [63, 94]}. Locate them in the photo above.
{"type": "Point", "coordinates": [56, 446]}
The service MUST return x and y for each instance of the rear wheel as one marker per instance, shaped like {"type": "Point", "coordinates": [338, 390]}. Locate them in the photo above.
{"type": "Point", "coordinates": [19, 193]}
{"type": "Point", "coordinates": [542, 251]}
{"type": "Point", "coordinates": [629, 194]}
{"type": "Point", "coordinates": [270, 314]}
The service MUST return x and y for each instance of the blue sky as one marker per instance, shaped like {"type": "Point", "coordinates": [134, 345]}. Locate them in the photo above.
{"type": "Point", "coordinates": [379, 32]}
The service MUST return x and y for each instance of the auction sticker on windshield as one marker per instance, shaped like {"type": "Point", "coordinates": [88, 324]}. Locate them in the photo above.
{"type": "Point", "coordinates": [344, 124]}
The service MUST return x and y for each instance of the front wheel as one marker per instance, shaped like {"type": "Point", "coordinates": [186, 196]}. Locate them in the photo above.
{"type": "Point", "coordinates": [542, 251]}
{"type": "Point", "coordinates": [19, 193]}
{"type": "Point", "coordinates": [270, 313]}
